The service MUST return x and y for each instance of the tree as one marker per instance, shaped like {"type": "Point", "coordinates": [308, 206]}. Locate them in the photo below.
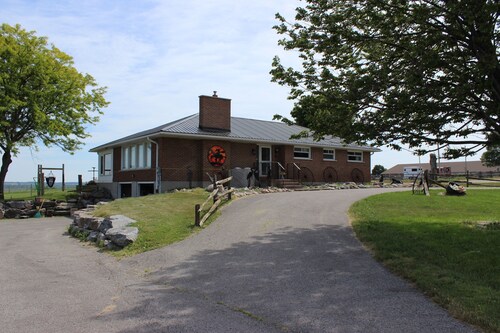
{"type": "Point", "coordinates": [420, 73]}
{"type": "Point", "coordinates": [378, 169]}
{"type": "Point", "coordinates": [491, 157]}
{"type": "Point", "coordinates": [43, 98]}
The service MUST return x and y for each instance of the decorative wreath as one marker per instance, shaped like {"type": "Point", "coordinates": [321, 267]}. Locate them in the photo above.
{"type": "Point", "coordinates": [217, 156]}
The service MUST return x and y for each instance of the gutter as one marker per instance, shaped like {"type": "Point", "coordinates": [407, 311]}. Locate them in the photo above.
{"type": "Point", "coordinates": [158, 170]}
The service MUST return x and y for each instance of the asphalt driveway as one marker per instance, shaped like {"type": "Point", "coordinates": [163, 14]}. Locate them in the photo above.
{"type": "Point", "coordinates": [283, 262]}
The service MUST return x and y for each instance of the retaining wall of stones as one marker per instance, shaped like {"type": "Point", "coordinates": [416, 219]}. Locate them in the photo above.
{"type": "Point", "coordinates": [112, 232]}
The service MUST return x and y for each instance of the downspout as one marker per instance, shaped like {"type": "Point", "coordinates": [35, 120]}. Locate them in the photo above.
{"type": "Point", "coordinates": [158, 170]}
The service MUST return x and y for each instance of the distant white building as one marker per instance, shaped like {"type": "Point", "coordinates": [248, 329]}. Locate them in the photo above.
{"type": "Point", "coordinates": [445, 167]}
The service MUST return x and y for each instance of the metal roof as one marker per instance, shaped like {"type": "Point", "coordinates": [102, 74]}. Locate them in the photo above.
{"type": "Point", "coordinates": [242, 129]}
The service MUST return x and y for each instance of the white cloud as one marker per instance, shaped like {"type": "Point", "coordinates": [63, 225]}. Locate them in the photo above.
{"type": "Point", "coordinates": [156, 58]}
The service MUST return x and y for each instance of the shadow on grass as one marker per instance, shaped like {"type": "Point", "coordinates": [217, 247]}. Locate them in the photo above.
{"type": "Point", "coordinates": [291, 280]}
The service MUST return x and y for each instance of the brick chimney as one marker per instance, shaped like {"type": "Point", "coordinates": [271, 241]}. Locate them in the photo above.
{"type": "Point", "coordinates": [215, 113]}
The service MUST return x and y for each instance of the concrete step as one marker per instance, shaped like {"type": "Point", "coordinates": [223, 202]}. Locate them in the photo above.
{"type": "Point", "coordinates": [287, 183]}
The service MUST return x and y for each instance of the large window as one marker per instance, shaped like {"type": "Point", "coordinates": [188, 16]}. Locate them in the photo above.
{"type": "Point", "coordinates": [302, 152]}
{"type": "Point", "coordinates": [136, 156]}
{"type": "Point", "coordinates": [105, 167]}
{"type": "Point", "coordinates": [355, 156]}
{"type": "Point", "coordinates": [329, 154]}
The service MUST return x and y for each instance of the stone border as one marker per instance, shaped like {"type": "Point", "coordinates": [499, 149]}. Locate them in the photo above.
{"type": "Point", "coordinates": [112, 232]}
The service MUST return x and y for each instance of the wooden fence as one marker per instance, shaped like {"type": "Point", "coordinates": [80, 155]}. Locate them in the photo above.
{"type": "Point", "coordinates": [217, 195]}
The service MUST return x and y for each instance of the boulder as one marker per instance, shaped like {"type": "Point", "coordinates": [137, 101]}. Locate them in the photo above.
{"type": "Point", "coordinates": [118, 221]}
{"type": "Point", "coordinates": [105, 225]}
{"type": "Point", "coordinates": [12, 213]}
{"type": "Point", "coordinates": [93, 236]}
{"type": "Point", "coordinates": [95, 223]}
{"type": "Point", "coordinates": [122, 236]}
{"type": "Point", "coordinates": [20, 204]}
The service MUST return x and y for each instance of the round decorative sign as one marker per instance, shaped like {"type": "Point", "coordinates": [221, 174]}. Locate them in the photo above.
{"type": "Point", "coordinates": [217, 156]}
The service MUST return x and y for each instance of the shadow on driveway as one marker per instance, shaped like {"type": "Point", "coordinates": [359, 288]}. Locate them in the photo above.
{"type": "Point", "coordinates": [315, 279]}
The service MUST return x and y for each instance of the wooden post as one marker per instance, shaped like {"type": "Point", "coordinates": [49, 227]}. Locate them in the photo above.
{"type": "Point", "coordinates": [42, 184]}
{"type": "Point", "coordinates": [197, 215]}
{"type": "Point", "coordinates": [80, 183]}
{"type": "Point", "coordinates": [426, 183]}
{"type": "Point", "coordinates": [215, 187]}
{"type": "Point", "coordinates": [63, 187]}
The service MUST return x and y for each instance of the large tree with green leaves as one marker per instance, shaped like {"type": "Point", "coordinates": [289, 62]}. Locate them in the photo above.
{"type": "Point", "coordinates": [422, 73]}
{"type": "Point", "coordinates": [43, 98]}
{"type": "Point", "coordinates": [491, 157]}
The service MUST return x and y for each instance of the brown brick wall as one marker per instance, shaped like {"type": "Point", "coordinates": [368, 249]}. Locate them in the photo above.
{"type": "Point", "coordinates": [243, 155]}
{"type": "Point", "coordinates": [215, 113]}
{"type": "Point", "coordinates": [317, 165]}
{"type": "Point", "coordinates": [177, 156]}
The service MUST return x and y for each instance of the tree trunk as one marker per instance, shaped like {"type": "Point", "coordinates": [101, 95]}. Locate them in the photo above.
{"type": "Point", "coordinates": [6, 161]}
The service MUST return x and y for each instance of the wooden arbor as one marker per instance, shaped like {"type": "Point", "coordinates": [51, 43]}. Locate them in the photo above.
{"type": "Point", "coordinates": [41, 179]}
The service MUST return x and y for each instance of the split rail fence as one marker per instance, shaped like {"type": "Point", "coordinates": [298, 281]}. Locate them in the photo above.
{"type": "Point", "coordinates": [216, 196]}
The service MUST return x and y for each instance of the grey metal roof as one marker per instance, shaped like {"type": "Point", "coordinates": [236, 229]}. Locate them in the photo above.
{"type": "Point", "coordinates": [242, 129]}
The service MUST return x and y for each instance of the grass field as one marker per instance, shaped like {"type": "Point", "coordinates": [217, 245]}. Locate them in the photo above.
{"type": "Point", "coordinates": [162, 218]}
{"type": "Point", "coordinates": [50, 194]}
{"type": "Point", "coordinates": [437, 243]}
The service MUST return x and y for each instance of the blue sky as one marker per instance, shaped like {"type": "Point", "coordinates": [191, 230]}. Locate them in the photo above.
{"type": "Point", "coordinates": [156, 58]}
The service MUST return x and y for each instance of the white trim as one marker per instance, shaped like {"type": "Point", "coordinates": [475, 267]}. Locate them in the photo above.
{"type": "Point", "coordinates": [330, 159]}
{"type": "Point", "coordinates": [266, 161]}
{"type": "Point", "coordinates": [302, 147]}
{"type": "Point", "coordinates": [355, 151]}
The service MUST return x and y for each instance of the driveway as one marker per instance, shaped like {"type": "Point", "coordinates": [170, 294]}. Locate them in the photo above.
{"type": "Point", "coordinates": [283, 262]}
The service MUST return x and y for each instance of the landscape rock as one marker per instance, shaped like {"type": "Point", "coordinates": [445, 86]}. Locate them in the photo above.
{"type": "Point", "coordinates": [101, 237]}
{"type": "Point", "coordinates": [92, 237]}
{"type": "Point", "coordinates": [122, 236]}
{"type": "Point", "coordinates": [118, 221]}
{"type": "Point", "coordinates": [105, 225]}
{"type": "Point", "coordinates": [95, 223]}
{"type": "Point", "coordinates": [20, 204]}
{"type": "Point", "coordinates": [13, 213]}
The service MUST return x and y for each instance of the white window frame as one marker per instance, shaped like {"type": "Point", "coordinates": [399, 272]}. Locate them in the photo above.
{"type": "Point", "coordinates": [357, 156]}
{"type": "Point", "coordinates": [328, 151]}
{"type": "Point", "coordinates": [131, 159]}
{"type": "Point", "coordinates": [302, 150]}
{"type": "Point", "coordinates": [104, 168]}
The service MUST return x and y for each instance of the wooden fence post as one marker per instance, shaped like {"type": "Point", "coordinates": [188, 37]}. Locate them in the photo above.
{"type": "Point", "coordinates": [197, 215]}
{"type": "Point", "coordinates": [229, 196]}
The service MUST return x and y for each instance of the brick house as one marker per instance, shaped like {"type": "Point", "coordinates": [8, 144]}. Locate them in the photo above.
{"type": "Point", "coordinates": [185, 152]}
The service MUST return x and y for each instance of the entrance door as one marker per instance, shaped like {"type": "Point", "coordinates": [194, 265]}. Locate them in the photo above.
{"type": "Point", "coordinates": [264, 160]}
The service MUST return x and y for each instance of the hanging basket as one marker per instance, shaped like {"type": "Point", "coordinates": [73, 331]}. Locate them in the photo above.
{"type": "Point", "coordinates": [51, 180]}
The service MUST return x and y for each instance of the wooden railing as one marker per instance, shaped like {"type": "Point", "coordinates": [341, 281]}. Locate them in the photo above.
{"type": "Point", "coordinates": [217, 195]}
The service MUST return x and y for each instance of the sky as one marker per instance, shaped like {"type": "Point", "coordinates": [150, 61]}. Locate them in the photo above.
{"type": "Point", "coordinates": [156, 57]}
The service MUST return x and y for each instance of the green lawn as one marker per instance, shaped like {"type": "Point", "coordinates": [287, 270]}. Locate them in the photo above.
{"type": "Point", "coordinates": [436, 243]}
{"type": "Point", "coordinates": [162, 218]}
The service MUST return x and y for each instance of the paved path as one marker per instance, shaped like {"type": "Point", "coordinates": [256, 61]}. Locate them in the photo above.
{"type": "Point", "coordinates": [284, 262]}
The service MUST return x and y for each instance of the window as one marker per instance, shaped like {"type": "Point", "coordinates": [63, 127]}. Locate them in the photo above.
{"type": "Point", "coordinates": [105, 167]}
{"type": "Point", "coordinates": [329, 154]}
{"type": "Point", "coordinates": [355, 156]}
{"type": "Point", "coordinates": [136, 156]}
{"type": "Point", "coordinates": [302, 152]}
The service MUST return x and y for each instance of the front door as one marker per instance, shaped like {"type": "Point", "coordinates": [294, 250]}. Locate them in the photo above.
{"type": "Point", "coordinates": [264, 160]}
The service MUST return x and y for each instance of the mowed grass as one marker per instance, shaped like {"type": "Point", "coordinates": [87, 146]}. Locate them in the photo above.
{"type": "Point", "coordinates": [162, 219]}
{"type": "Point", "coordinates": [436, 243]}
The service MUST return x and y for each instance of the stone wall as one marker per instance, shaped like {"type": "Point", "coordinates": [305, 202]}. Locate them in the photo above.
{"type": "Point", "coordinates": [112, 232]}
